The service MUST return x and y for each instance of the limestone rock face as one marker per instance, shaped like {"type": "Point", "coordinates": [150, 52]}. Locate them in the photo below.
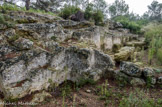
{"type": "Point", "coordinates": [23, 44]}
{"type": "Point", "coordinates": [130, 69]}
{"type": "Point", "coordinates": [124, 53]}
{"type": "Point", "coordinates": [92, 34]}
{"type": "Point", "coordinates": [30, 71]}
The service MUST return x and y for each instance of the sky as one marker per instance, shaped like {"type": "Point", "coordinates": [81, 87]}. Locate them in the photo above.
{"type": "Point", "coordinates": [137, 6]}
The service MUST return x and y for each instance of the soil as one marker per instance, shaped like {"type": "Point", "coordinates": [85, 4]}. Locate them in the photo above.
{"type": "Point", "coordinates": [89, 95]}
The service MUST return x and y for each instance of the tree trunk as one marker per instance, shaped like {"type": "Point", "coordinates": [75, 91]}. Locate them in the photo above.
{"type": "Point", "coordinates": [27, 4]}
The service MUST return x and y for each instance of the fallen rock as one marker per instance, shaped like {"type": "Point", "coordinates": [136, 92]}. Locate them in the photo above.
{"type": "Point", "coordinates": [88, 91]}
{"type": "Point", "coordinates": [124, 54]}
{"type": "Point", "coordinates": [137, 82]}
{"type": "Point", "coordinates": [148, 72]}
{"type": "Point", "coordinates": [130, 69]}
{"type": "Point", "coordinates": [159, 80]}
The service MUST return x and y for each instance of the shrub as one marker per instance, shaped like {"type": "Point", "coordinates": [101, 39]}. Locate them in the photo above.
{"type": "Point", "coordinates": [159, 55]}
{"type": "Point", "coordinates": [2, 20]}
{"type": "Point", "coordinates": [68, 10]}
{"type": "Point", "coordinates": [88, 12]}
{"type": "Point", "coordinates": [137, 99]}
{"type": "Point", "coordinates": [132, 25]}
{"type": "Point", "coordinates": [154, 41]}
{"type": "Point", "coordinates": [98, 17]}
{"type": "Point", "coordinates": [10, 7]}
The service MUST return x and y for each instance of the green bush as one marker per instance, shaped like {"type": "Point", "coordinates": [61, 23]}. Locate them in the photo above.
{"type": "Point", "coordinates": [68, 10]}
{"type": "Point", "coordinates": [133, 26]}
{"type": "Point", "coordinates": [88, 14]}
{"type": "Point", "coordinates": [2, 20]}
{"type": "Point", "coordinates": [159, 55]}
{"type": "Point", "coordinates": [154, 41]}
{"type": "Point", "coordinates": [137, 99]}
{"type": "Point", "coordinates": [98, 17]}
{"type": "Point", "coordinates": [10, 7]}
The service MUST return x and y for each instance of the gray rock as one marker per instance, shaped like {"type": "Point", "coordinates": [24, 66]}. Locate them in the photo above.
{"type": "Point", "coordinates": [148, 72]}
{"type": "Point", "coordinates": [23, 44]}
{"type": "Point", "coordinates": [124, 54]}
{"type": "Point", "coordinates": [130, 69]}
{"type": "Point", "coordinates": [137, 82]}
{"type": "Point", "coordinates": [9, 33]}
{"type": "Point", "coordinates": [2, 26]}
{"type": "Point", "coordinates": [159, 80]}
{"type": "Point", "coordinates": [79, 16]}
{"type": "Point", "coordinates": [40, 97]}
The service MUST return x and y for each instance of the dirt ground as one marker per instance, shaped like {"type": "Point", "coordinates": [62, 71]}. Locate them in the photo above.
{"type": "Point", "coordinates": [89, 95]}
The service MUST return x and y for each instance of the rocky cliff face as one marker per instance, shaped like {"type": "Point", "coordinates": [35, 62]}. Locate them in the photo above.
{"type": "Point", "coordinates": [36, 51]}
{"type": "Point", "coordinates": [41, 48]}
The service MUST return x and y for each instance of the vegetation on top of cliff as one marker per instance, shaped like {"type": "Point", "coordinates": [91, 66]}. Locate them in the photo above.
{"type": "Point", "coordinates": [11, 7]}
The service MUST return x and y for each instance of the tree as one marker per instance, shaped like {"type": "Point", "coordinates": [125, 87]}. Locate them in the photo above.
{"type": "Point", "coordinates": [48, 5]}
{"type": "Point", "coordinates": [101, 5]}
{"type": "Point", "coordinates": [118, 8]}
{"type": "Point", "coordinates": [27, 4]}
{"type": "Point", "coordinates": [155, 11]}
{"type": "Point", "coordinates": [88, 11]}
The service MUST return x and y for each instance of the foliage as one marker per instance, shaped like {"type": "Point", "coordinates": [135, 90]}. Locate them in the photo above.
{"type": "Point", "coordinates": [3, 21]}
{"type": "Point", "coordinates": [98, 17]}
{"type": "Point", "coordinates": [119, 7]}
{"type": "Point", "coordinates": [88, 14]}
{"type": "Point", "coordinates": [137, 99]}
{"type": "Point", "coordinates": [155, 11]}
{"type": "Point", "coordinates": [94, 14]}
{"type": "Point", "coordinates": [101, 5]}
{"type": "Point", "coordinates": [154, 40]}
{"type": "Point", "coordinates": [132, 25]}
{"type": "Point", "coordinates": [84, 81]}
{"type": "Point", "coordinates": [68, 11]}
{"type": "Point", "coordinates": [10, 7]}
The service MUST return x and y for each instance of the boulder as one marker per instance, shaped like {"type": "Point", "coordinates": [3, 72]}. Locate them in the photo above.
{"type": "Point", "coordinates": [124, 54]}
{"type": "Point", "coordinates": [79, 16]}
{"type": "Point", "coordinates": [114, 25]}
{"type": "Point", "coordinates": [137, 82]}
{"type": "Point", "coordinates": [159, 80]}
{"type": "Point", "coordinates": [148, 72]}
{"type": "Point", "coordinates": [130, 69]}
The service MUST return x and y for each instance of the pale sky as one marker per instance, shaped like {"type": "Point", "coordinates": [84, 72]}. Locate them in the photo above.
{"type": "Point", "coordinates": [137, 6]}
